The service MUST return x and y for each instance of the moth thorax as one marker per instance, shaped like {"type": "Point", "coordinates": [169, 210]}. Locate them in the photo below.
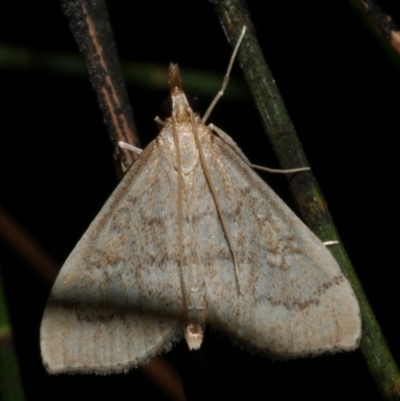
{"type": "Point", "coordinates": [180, 107]}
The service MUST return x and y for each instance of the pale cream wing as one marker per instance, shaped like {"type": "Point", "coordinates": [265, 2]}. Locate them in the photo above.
{"type": "Point", "coordinates": [294, 298]}
{"type": "Point", "coordinates": [118, 300]}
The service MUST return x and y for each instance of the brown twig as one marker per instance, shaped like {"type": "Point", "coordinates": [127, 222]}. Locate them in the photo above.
{"type": "Point", "coordinates": [89, 23]}
{"type": "Point", "coordinates": [165, 378]}
{"type": "Point", "coordinates": [27, 247]}
{"type": "Point", "coordinates": [382, 22]}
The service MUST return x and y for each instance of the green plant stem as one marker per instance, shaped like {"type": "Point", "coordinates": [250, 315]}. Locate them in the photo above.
{"type": "Point", "coordinates": [11, 386]}
{"type": "Point", "coordinates": [233, 15]}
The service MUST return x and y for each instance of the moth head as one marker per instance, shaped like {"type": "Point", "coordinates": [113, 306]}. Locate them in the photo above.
{"type": "Point", "coordinates": [179, 104]}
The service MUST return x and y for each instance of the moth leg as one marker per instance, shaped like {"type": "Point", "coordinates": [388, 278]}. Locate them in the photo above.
{"type": "Point", "coordinates": [126, 145]}
{"type": "Point", "coordinates": [329, 243]}
{"type": "Point", "coordinates": [226, 138]}
{"type": "Point", "coordinates": [229, 141]}
{"type": "Point", "coordinates": [280, 171]}
{"type": "Point", "coordinates": [226, 78]}
{"type": "Point", "coordinates": [159, 122]}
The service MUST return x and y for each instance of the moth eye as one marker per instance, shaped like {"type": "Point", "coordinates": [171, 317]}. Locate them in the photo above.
{"type": "Point", "coordinates": [166, 108]}
{"type": "Point", "coordinates": [193, 101]}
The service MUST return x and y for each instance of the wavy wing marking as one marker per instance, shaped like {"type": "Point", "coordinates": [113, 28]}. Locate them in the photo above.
{"type": "Point", "coordinates": [295, 299]}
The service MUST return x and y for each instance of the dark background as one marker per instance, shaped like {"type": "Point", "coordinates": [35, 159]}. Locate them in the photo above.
{"type": "Point", "coordinates": [341, 86]}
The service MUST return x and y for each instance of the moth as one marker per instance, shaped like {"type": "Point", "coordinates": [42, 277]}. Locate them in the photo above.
{"type": "Point", "coordinates": [193, 236]}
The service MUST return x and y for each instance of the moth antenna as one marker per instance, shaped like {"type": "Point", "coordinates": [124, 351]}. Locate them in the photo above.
{"type": "Point", "coordinates": [226, 78]}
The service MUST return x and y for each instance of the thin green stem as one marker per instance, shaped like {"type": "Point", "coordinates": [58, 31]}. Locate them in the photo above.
{"type": "Point", "coordinates": [11, 386]}
{"type": "Point", "coordinates": [233, 14]}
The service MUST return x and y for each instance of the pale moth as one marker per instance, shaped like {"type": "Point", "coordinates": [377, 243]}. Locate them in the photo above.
{"type": "Point", "coordinates": [192, 236]}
